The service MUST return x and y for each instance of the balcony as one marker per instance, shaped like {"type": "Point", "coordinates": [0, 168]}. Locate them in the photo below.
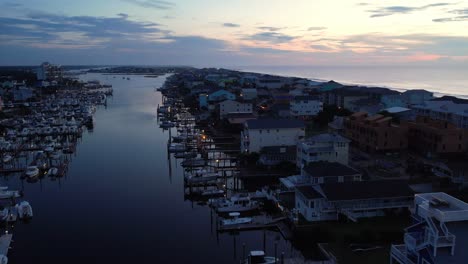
{"type": "Point", "coordinates": [399, 253]}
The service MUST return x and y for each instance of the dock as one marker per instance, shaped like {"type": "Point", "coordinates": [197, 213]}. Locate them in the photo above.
{"type": "Point", "coordinates": [5, 241]}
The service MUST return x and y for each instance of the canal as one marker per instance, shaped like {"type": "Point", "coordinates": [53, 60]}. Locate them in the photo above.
{"type": "Point", "coordinates": [119, 203]}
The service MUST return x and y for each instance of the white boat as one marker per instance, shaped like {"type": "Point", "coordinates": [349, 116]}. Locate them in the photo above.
{"type": "Point", "coordinates": [259, 257]}
{"type": "Point", "coordinates": [52, 172]}
{"type": "Point", "coordinates": [6, 194]}
{"type": "Point", "coordinates": [238, 203]}
{"type": "Point", "coordinates": [32, 171]}
{"type": "Point", "coordinates": [9, 214]}
{"type": "Point", "coordinates": [235, 220]}
{"type": "Point", "coordinates": [7, 158]}
{"type": "Point", "coordinates": [215, 192]}
{"type": "Point", "coordinates": [195, 162]}
{"type": "Point", "coordinates": [55, 155]}
{"type": "Point", "coordinates": [176, 147]}
{"type": "Point", "coordinates": [24, 210]}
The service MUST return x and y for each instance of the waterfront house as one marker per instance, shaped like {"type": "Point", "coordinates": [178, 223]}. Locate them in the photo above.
{"type": "Point", "coordinates": [436, 137]}
{"type": "Point", "coordinates": [375, 133]}
{"type": "Point", "coordinates": [259, 133]}
{"type": "Point", "coordinates": [233, 107]}
{"type": "Point", "coordinates": [416, 97]}
{"type": "Point", "coordinates": [221, 95]}
{"type": "Point", "coordinates": [323, 147]}
{"type": "Point", "coordinates": [275, 155]}
{"type": "Point", "coordinates": [305, 106]}
{"type": "Point", "coordinates": [450, 111]}
{"type": "Point", "coordinates": [354, 200]}
{"type": "Point", "coordinates": [249, 93]}
{"type": "Point", "coordinates": [439, 234]}
{"type": "Point", "coordinates": [319, 172]}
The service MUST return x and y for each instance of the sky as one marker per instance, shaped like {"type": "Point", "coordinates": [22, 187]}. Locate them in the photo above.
{"type": "Point", "coordinates": [234, 33]}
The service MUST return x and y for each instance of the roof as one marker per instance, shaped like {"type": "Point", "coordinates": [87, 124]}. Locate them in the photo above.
{"type": "Point", "coordinates": [309, 192]}
{"type": "Point", "coordinates": [397, 109]}
{"type": "Point", "coordinates": [274, 123]}
{"type": "Point", "coordinates": [327, 137]}
{"type": "Point", "coordinates": [366, 190]}
{"type": "Point", "coordinates": [328, 169]}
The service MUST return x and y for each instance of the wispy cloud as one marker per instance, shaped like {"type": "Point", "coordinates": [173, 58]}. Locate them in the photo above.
{"type": "Point", "coordinates": [316, 28]}
{"type": "Point", "coordinates": [458, 15]}
{"type": "Point", "coordinates": [393, 10]}
{"type": "Point", "coordinates": [270, 28]}
{"type": "Point", "coordinates": [231, 25]}
{"type": "Point", "coordinates": [156, 4]}
{"type": "Point", "coordinates": [271, 37]}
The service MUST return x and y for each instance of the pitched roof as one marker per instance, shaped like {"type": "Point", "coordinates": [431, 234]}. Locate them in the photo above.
{"type": "Point", "coordinates": [366, 190]}
{"type": "Point", "coordinates": [274, 123]}
{"type": "Point", "coordinates": [328, 169]}
{"type": "Point", "coordinates": [309, 192]}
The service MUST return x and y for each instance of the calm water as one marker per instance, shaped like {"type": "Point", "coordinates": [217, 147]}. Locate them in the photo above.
{"type": "Point", "coordinates": [119, 203]}
{"type": "Point", "coordinates": [442, 81]}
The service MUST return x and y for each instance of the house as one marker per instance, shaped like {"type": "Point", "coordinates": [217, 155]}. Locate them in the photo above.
{"type": "Point", "coordinates": [259, 133]}
{"type": "Point", "coordinates": [436, 137]}
{"type": "Point", "coordinates": [354, 200]}
{"type": "Point", "coordinates": [281, 110]}
{"type": "Point", "coordinates": [439, 233]}
{"type": "Point", "coordinates": [329, 86]}
{"type": "Point", "coordinates": [233, 107]}
{"type": "Point", "coordinates": [239, 118]}
{"type": "Point", "coordinates": [393, 100]}
{"type": "Point", "coordinates": [305, 106]}
{"type": "Point", "coordinates": [275, 155]}
{"type": "Point", "coordinates": [221, 95]}
{"type": "Point", "coordinates": [368, 105]}
{"type": "Point", "coordinates": [450, 111]}
{"type": "Point", "coordinates": [319, 172]}
{"type": "Point", "coordinates": [22, 94]}
{"type": "Point", "coordinates": [323, 147]}
{"type": "Point", "coordinates": [249, 93]}
{"type": "Point", "coordinates": [337, 125]}
{"type": "Point", "coordinates": [248, 80]}
{"type": "Point", "coordinates": [402, 113]}
{"type": "Point", "coordinates": [416, 97]}
{"type": "Point", "coordinates": [203, 100]}
{"type": "Point", "coordinates": [270, 82]}
{"type": "Point", "coordinates": [375, 133]}
{"type": "Point", "coordinates": [297, 92]}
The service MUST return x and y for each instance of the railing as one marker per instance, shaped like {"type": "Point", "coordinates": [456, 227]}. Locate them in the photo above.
{"type": "Point", "coordinates": [378, 205]}
{"type": "Point", "coordinates": [444, 216]}
{"type": "Point", "coordinates": [398, 252]}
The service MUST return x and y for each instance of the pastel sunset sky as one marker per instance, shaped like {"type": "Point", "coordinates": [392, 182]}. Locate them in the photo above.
{"type": "Point", "coordinates": [229, 33]}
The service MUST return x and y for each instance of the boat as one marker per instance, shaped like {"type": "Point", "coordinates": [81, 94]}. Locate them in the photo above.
{"type": "Point", "coordinates": [213, 193]}
{"type": "Point", "coordinates": [9, 214]}
{"type": "Point", "coordinates": [239, 203]}
{"type": "Point", "coordinates": [6, 194]}
{"type": "Point", "coordinates": [55, 155]}
{"type": "Point", "coordinates": [259, 257]}
{"type": "Point", "coordinates": [32, 171]}
{"type": "Point", "coordinates": [166, 124]}
{"type": "Point", "coordinates": [7, 158]}
{"type": "Point", "coordinates": [235, 220]}
{"type": "Point", "coordinates": [194, 162]}
{"type": "Point", "coordinates": [52, 172]}
{"type": "Point", "coordinates": [176, 147]}
{"type": "Point", "coordinates": [184, 155]}
{"type": "Point", "coordinates": [24, 210]}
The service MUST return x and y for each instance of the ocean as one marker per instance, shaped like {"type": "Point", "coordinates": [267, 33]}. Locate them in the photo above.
{"type": "Point", "coordinates": [441, 81]}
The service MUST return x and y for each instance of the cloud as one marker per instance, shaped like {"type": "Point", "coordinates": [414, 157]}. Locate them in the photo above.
{"type": "Point", "coordinates": [393, 10]}
{"type": "Point", "coordinates": [270, 28]}
{"type": "Point", "coordinates": [156, 4]}
{"type": "Point", "coordinates": [44, 30]}
{"type": "Point", "coordinates": [271, 37]}
{"type": "Point", "coordinates": [230, 25]}
{"type": "Point", "coordinates": [316, 28]}
{"type": "Point", "coordinates": [461, 15]}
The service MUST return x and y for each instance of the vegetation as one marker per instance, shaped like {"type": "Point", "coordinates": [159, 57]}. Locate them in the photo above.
{"type": "Point", "coordinates": [329, 112]}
